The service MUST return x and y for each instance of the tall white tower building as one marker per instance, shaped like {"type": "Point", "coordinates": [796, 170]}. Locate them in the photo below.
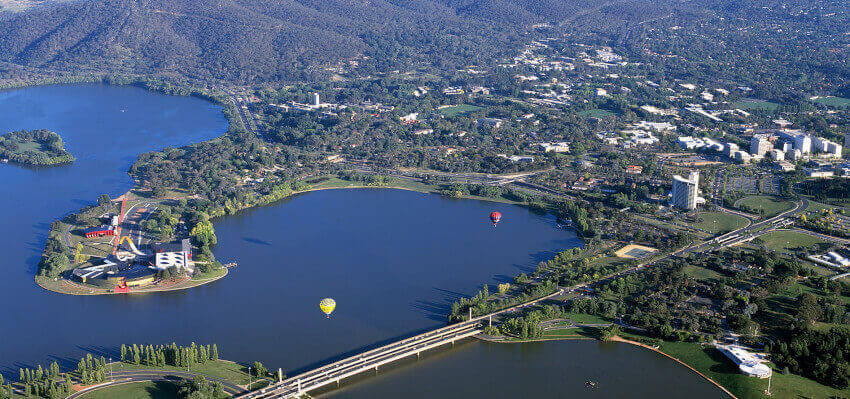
{"type": "Point", "coordinates": [684, 195]}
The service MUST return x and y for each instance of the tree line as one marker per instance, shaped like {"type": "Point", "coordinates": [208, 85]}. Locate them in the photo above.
{"type": "Point", "coordinates": [168, 355]}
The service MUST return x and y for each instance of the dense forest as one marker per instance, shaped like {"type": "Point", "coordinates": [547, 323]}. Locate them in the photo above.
{"type": "Point", "coordinates": [281, 39]}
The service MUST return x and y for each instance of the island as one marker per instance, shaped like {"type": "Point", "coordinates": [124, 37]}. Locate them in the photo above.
{"type": "Point", "coordinates": [35, 148]}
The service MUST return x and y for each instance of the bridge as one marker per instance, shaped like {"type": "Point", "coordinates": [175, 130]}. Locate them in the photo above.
{"type": "Point", "coordinates": [333, 373]}
{"type": "Point", "coordinates": [297, 385]}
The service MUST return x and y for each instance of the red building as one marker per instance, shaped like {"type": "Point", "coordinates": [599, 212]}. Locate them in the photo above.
{"type": "Point", "coordinates": [101, 231]}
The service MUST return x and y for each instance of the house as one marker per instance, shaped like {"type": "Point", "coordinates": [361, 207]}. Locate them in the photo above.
{"type": "Point", "coordinates": [493, 123]}
{"type": "Point", "coordinates": [409, 118]}
{"type": "Point", "coordinates": [634, 169]}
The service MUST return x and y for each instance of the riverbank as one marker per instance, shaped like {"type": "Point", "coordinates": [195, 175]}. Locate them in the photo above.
{"type": "Point", "coordinates": [645, 346]}
{"type": "Point", "coordinates": [67, 286]}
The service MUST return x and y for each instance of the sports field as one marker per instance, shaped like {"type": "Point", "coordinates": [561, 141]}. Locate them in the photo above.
{"type": "Point", "coordinates": [633, 251]}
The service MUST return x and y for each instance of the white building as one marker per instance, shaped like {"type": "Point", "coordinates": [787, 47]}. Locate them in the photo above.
{"type": "Point", "coordinates": [777, 155]}
{"type": "Point", "coordinates": [748, 363]}
{"type": "Point", "coordinates": [731, 149]}
{"type": "Point", "coordinates": [684, 195]}
{"type": "Point", "coordinates": [555, 147]}
{"type": "Point", "coordinates": [803, 143]}
{"type": "Point", "coordinates": [759, 146]}
{"type": "Point", "coordinates": [409, 118]}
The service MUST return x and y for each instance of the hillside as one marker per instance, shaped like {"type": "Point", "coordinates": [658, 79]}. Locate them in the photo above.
{"type": "Point", "coordinates": [252, 39]}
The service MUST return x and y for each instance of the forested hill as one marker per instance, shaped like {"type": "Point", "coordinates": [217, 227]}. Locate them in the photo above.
{"type": "Point", "coordinates": [266, 39]}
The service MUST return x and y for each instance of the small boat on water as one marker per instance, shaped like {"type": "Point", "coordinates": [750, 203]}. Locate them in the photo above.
{"type": "Point", "coordinates": [590, 384]}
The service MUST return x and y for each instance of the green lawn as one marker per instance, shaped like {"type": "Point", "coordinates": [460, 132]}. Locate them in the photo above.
{"type": "Point", "coordinates": [575, 332]}
{"type": "Point", "coordinates": [701, 273]}
{"type": "Point", "coordinates": [456, 110]}
{"type": "Point", "coordinates": [719, 222]}
{"type": "Point", "coordinates": [597, 113]}
{"type": "Point", "coordinates": [834, 102]}
{"type": "Point", "coordinates": [583, 318]}
{"type": "Point", "coordinates": [783, 241]}
{"type": "Point", "coordinates": [769, 206]}
{"type": "Point", "coordinates": [716, 366]}
{"type": "Point", "coordinates": [136, 390]}
{"type": "Point", "coordinates": [756, 105]}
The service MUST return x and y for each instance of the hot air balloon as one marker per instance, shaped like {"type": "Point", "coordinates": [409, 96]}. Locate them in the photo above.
{"type": "Point", "coordinates": [327, 305]}
{"type": "Point", "coordinates": [495, 217]}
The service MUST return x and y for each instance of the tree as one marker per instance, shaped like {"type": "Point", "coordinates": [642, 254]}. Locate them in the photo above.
{"type": "Point", "coordinates": [259, 369]}
{"type": "Point", "coordinates": [808, 308]}
{"type": "Point", "coordinates": [79, 256]}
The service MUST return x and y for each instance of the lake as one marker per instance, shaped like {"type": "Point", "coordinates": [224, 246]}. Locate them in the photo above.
{"type": "Point", "coordinates": [393, 260]}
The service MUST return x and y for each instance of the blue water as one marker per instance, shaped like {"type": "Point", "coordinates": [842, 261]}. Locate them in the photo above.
{"type": "Point", "coordinates": [393, 260]}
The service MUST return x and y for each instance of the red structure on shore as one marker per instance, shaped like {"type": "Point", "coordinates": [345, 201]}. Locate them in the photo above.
{"type": "Point", "coordinates": [102, 231]}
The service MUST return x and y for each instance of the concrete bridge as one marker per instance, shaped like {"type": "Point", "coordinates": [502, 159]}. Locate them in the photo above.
{"type": "Point", "coordinates": [333, 373]}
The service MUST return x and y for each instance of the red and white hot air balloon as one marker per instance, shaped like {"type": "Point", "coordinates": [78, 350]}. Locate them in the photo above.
{"type": "Point", "coordinates": [495, 217]}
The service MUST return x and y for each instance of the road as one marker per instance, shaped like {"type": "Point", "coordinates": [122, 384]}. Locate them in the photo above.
{"type": "Point", "coordinates": [122, 377]}
{"type": "Point", "coordinates": [756, 229]}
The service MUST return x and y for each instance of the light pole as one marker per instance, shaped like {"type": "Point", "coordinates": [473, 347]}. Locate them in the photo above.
{"type": "Point", "coordinates": [111, 377]}
{"type": "Point", "coordinates": [249, 378]}
{"type": "Point", "coordinates": [767, 392]}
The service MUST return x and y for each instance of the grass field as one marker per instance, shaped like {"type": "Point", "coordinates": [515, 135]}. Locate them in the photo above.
{"type": "Point", "coordinates": [719, 222]}
{"type": "Point", "coordinates": [575, 332]}
{"type": "Point", "coordinates": [597, 113]}
{"type": "Point", "coordinates": [834, 102]}
{"type": "Point", "coordinates": [783, 241]}
{"type": "Point", "coordinates": [456, 110]}
{"type": "Point", "coordinates": [582, 318]}
{"type": "Point", "coordinates": [136, 390]}
{"type": "Point", "coordinates": [701, 273]}
{"type": "Point", "coordinates": [769, 206]}
{"type": "Point", "coordinates": [756, 105]}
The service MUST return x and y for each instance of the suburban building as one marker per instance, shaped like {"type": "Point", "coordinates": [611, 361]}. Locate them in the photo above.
{"type": "Point", "coordinates": [173, 255]}
{"type": "Point", "coordinates": [749, 364]}
{"type": "Point", "coordinates": [555, 147]}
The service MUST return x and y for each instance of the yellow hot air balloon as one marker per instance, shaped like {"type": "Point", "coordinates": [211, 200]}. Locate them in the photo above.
{"type": "Point", "coordinates": [327, 305]}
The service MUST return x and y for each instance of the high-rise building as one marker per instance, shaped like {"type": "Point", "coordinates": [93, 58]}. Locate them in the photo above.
{"type": "Point", "coordinates": [803, 143]}
{"type": "Point", "coordinates": [760, 146]}
{"type": "Point", "coordinates": [684, 193]}
{"type": "Point", "coordinates": [731, 149]}
{"type": "Point", "coordinates": [316, 101]}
